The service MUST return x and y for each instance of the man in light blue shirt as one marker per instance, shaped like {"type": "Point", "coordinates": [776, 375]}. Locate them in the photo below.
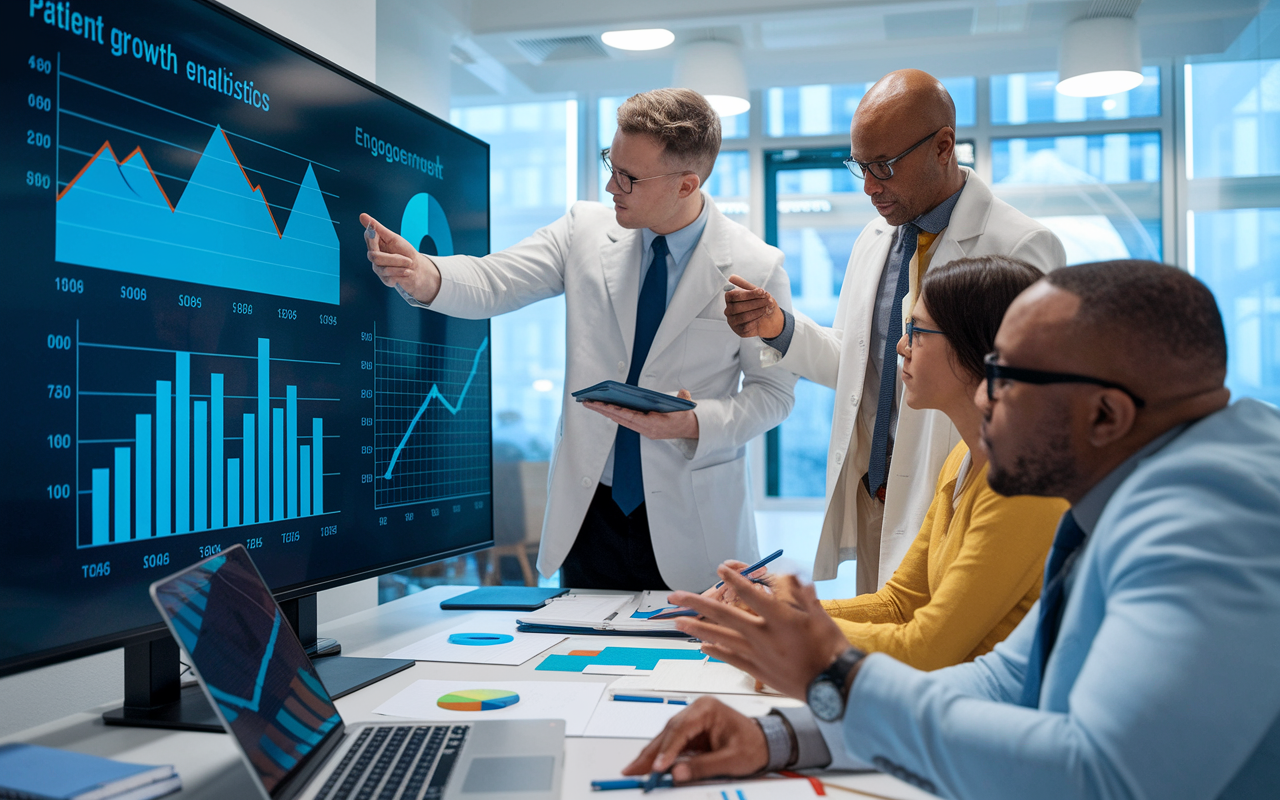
{"type": "Point", "coordinates": [1149, 667]}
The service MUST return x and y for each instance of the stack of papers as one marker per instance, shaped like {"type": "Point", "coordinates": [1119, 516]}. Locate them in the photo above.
{"type": "Point", "coordinates": [32, 771]}
{"type": "Point", "coordinates": [609, 613]}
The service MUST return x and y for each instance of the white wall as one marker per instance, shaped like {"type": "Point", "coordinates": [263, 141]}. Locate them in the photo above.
{"type": "Point", "coordinates": [414, 39]}
{"type": "Point", "coordinates": [345, 32]}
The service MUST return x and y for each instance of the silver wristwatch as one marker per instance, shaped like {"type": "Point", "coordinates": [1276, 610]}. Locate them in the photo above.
{"type": "Point", "coordinates": [826, 693]}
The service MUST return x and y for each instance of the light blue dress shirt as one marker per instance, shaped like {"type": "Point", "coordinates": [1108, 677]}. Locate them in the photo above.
{"type": "Point", "coordinates": [680, 247]}
{"type": "Point", "coordinates": [1165, 679]}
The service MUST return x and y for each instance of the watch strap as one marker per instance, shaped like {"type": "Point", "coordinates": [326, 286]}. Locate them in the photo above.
{"type": "Point", "coordinates": [779, 739]}
{"type": "Point", "coordinates": [837, 676]}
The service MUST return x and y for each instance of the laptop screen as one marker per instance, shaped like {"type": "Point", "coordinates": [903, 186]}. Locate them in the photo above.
{"type": "Point", "coordinates": [249, 659]}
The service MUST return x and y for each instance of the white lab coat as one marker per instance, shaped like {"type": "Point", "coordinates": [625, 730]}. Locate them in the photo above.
{"type": "Point", "coordinates": [697, 496]}
{"type": "Point", "coordinates": [981, 224]}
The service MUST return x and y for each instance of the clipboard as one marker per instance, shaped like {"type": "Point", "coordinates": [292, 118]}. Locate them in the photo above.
{"type": "Point", "coordinates": [633, 397]}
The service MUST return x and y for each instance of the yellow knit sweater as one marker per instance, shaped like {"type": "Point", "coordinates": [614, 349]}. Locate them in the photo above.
{"type": "Point", "coordinates": [970, 576]}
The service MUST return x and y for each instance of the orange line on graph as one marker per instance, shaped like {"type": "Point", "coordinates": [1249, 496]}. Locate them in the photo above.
{"type": "Point", "coordinates": [137, 151]}
{"type": "Point", "coordinates": [257, 188]}
{"type": "Point", "coordinates": [106, 147]}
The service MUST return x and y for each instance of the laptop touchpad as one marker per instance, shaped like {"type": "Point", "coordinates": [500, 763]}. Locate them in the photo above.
{"type": "Point", "coordinates": [510, 774]}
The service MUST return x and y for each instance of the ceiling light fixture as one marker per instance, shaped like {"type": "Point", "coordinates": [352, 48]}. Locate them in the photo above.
{"type": "Point", "coordinates": [1099, 56]}
{"type": "Point", "coordinates": [715, 70]}
{"type": "Point", "coordinates": [645, 39]}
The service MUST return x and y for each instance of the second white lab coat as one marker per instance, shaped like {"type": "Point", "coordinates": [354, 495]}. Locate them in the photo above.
{"type": "Point", "coordinates": [981, 224]}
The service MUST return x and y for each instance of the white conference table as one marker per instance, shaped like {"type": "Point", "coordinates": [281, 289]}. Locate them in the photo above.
{"type": "Point", "coordinates": [210, 767]}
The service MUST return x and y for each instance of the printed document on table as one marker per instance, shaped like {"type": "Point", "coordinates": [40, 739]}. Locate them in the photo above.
{"type": "Point", "coordinates": [521, 648]}
{"type": "Point", "coordinates": [672, 677]}
{"type": "Point", "coordinates": [571, 701]}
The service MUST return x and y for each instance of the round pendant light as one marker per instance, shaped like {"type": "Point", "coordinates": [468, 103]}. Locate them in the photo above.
{"type": "Point", "coordinates": [1099, 56]}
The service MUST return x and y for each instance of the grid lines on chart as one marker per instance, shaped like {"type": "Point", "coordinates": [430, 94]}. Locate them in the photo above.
{"type": "Point", "coordinates": [431, 422]}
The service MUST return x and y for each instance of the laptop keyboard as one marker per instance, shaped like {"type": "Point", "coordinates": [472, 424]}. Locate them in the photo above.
{"type": "Point", "coordinates": [397, 762]}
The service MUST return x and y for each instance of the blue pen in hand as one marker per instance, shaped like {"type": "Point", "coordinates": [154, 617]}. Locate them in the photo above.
{"type": "Point", "coordinates": [688, 612]}
{"type": "Point", "coordinates": [774, 556]}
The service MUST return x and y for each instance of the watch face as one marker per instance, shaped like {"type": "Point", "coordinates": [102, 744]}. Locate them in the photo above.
{"type": "Point", "coordinates": [825, 701]}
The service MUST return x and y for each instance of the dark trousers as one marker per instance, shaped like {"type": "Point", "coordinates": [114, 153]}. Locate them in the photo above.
{"type": "Point", "coordinates": [613, 550]}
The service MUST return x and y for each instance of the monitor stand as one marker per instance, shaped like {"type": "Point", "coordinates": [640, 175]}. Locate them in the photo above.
{"type": "Point", "coordinates": [153, 693]}
{"type": "Point", "coordinates": [154, 696]}
{"type": "Point", "coordinates": [341, 675]}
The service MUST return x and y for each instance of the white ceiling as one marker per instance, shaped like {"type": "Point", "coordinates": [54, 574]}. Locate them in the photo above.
{"type": "Point", "coordinates": [511, 48]}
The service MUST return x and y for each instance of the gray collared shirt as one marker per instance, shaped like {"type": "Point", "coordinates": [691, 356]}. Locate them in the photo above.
{"type": "Point", "coordinates": [1088, 510]}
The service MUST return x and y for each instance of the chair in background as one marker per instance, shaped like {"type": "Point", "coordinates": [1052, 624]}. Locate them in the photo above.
{"type": "Point", "coordinates": [519, 504]}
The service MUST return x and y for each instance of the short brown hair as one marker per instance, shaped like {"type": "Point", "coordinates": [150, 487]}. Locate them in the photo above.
{"type": "Point", "coordinates": [681, 120]}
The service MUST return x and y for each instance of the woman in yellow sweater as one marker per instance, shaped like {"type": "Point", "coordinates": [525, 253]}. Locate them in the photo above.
{"type": "Point", "coordinates": [976, 566]}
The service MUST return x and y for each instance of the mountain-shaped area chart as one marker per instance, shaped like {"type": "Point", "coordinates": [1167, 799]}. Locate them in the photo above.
{"type": "Point", "coordinates": [115, 215]}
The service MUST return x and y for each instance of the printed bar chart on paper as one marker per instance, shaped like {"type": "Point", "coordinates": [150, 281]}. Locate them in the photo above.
{"type": "Point", "coordinates": [194, 442]}
{"type": "Point", "coordinates": [431, 412]}
{"type": "Point", "coordinates": [214, 226]}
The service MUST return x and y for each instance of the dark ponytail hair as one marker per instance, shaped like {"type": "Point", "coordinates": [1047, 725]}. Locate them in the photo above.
{"type": "Point", "coordinates": [967, 298]}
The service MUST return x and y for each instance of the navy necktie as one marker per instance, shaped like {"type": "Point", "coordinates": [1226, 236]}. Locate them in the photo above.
{"type": "Point", "coordinates": [628, 478]}
{"type": "Point", "coordinates": [878, 467]}
{"type": "Point", "coordinates": [1066, 542]}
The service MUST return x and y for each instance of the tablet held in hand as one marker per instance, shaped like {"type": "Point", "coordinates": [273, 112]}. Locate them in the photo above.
{"type": "Point", "coordinates": [633, 397]}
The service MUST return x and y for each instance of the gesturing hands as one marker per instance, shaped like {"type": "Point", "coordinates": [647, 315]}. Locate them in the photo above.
{"type": "Point", "coordinates": [397, 261]}
{"type": "Point", "coordinates": [652, 424]}
{"type": "Point", "coordinates": [785, 643]}
{"type": "Point", "coordinates": [752, 311]}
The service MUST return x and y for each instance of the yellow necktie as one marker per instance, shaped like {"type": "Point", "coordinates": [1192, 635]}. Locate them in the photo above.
{"type": "Point", "coordinates": [918, 266]}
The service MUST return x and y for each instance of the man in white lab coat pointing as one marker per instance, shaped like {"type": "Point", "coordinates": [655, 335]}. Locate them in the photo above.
{"type": "Point", "coordinates": [637, 501]}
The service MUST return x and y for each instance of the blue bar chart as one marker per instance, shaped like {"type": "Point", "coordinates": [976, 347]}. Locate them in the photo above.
{"type": "Point", "coordinates": [183, 461]}
{"type": "Point", "coordinates": [431, 412]}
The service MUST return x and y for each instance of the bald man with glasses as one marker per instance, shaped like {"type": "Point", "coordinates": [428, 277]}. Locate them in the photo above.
{"type": "Point", "coordinates": [883, 459]}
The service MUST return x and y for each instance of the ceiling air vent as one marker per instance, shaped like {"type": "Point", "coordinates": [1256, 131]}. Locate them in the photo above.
{"type": "Point", "coordinates": [560, 48]}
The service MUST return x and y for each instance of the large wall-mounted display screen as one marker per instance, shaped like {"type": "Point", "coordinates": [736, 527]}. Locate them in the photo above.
{"type": "Point", "coordinates": [196, 352]}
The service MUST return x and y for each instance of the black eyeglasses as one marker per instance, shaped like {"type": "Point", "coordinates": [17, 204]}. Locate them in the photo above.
{"type": "Point", "coordinates": [1001, 374]}
{"type": "Point", "coordinates": [625, 181]}
{"type": "Point", "coordinates": [883, 170]}
{"type": "Point", "coordinates": [913, 329]}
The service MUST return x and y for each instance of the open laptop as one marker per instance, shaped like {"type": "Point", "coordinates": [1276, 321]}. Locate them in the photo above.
{"type": "Point", "coordinates": [258, 678]}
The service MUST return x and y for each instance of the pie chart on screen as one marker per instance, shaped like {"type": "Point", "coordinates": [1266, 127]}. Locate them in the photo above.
{"type": "Point", "coordinates": [478, 700]}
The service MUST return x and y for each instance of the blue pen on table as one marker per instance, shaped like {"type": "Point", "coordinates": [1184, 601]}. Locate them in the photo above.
{"type": "Point", "coordinates": [663, 780]}
{"type": "Point", "coordinates": [688, 612]}
{"type": "Point", "coordinates": [640, 698]}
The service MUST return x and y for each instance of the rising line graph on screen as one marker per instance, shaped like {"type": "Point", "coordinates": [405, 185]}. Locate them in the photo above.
{"type": "Point", "coordinates": [431, 436]}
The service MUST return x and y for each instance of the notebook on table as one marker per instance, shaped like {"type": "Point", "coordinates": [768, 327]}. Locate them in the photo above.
{"type": "Point", "coordinates": [256, 675]}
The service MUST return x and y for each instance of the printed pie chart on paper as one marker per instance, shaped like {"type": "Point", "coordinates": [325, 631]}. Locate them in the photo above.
{"type": "Point", "coordinates": [478, 700]}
